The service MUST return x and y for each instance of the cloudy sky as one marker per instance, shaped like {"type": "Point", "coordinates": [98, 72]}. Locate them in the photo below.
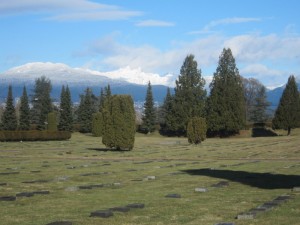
{"type": "Point", "coordinates": [154, 35]}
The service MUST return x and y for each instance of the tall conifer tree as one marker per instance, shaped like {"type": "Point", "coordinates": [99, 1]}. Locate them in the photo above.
{"type": "Point", "coordinates": [287, 113]}
{"type": "Point", "coordinates": [85, 111]}
{"type": "Point", "coordinates": [149, 114]}
{"type": "Point", "coordinates": [41, 102]}
{"type": "Point", "coordinates": [190, 95]}
{"type": "Point", "coordinates": [24, 123]}
{"type": "Point", "coordinates": [9, 118]}
{"type": "Point", "coordinates": [66, 115]}
{"type": "Point", "coordinates": [226, 103]}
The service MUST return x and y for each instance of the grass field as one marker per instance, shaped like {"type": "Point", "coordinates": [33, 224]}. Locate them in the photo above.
{"type": "Point", "coordinates": [257, 169]}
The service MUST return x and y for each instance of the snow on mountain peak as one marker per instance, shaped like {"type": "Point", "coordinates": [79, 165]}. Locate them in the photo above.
{"type": "Point", "coordinates": [60, 71]}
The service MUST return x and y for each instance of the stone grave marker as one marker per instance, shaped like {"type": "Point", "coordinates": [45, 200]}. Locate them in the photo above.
{"type": "Point", "coordinates": [3, 184]}
{"type": "Point", "coordinates": [199, 189]}
{"type": "Point", "coordinates": [224, 223]}
{"type": "Point", "coordinates": [8, 198]}
{"type": "Point", "coordinates": [60, 223]}
{"type": "Point", "coordinates": [102, 213]}
{"type": "Point", "coordinates": [136, 205]}
{"type": "Point", "coordinates": [246, 216]}
{"type": "Point", "coordinates": [25, 194]}
{"type": "Point", "coordinates": [173, 196]}
{"type": "Point", "coordinates": [221, 184]}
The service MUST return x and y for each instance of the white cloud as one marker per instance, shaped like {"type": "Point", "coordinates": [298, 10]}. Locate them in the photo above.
{"type": "Point", "coordinates": [259, 56]}
{"type": "Point", "coordinates": [154, 23]}
{"type": "Point", "coordinates": [67, 10]}
{"type": "Point", "coordinates": [235, 20]}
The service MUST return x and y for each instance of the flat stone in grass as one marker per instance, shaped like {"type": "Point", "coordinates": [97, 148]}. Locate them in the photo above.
{"type": "Point", "coordinates": [60, 223]}
{"type": "Point", "coordinates": [201, 190]}
{"type": "Point", "coordinates": [9, 173]}
{"type": "Point", "coordinates": [35, 171]}
{"type": "Point", "coordinates": [137, 180]}
{"type": "Point", "coordinates": [221, 184]}
{"type": "Point", "coordinates": [296, 189]}
{"type": "Point", "coordinates": [8, 198]}
{"type": "Point", "coordinates": [25, 194]}
{"type": "Point", "coordinates": [85, 187]}
{"type": "Point", "coordinates": [150, 178]}
{"type": "Point", "coordinates": [41, 192]}
{"type": "Point", "coordinates": [102, 213]}
{"type": "Point", "coordinates": [120, 209]}
{"type": "Point", "coordinates": [35, 181]}
{"type": "Point", "coordinates": [144, 162]}
{"type": "Point", "coordinates": [224, 223]}
{"type": "Point", "coordinates": [131, 170]}
{"type": "Point", "coordinates": [3, 184]}
{"type": "Point", "coordinates": [246, 216]}
{"type": "Point", "coordinates": [173, 196]}
{"type": "Point", "coordinates": [136, 205]}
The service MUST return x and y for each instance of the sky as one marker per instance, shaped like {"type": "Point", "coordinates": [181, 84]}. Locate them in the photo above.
{"type": "Point", "coordinates": [154, 36]}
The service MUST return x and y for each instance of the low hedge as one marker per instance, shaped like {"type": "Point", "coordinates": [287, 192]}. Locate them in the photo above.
{"type": "Point", "coordinates": [34, 135]}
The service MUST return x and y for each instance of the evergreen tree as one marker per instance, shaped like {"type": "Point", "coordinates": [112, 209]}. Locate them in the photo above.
{"type": "Point", "coordinates": [226, 103]}
{"type": "Point", "coordinates": [168, 125]}
{"type": "Point", "coordinates": [190, 95]}
{"type": "Point", "coordinates": [119, 123]}
{"type": "Point", "coordinates": [66, 115]}
{"type": "Point", "coordinates": [24, 122]}
{"type": "Point", "coordinates": [41, 102]}
{"type": "Point", "coordinates": [149, 115]}
{"type": "Point", "coordinates": [97, 124]}
{"type": "Point", "coordinates": [9, 118]}
{"type": "Point", "coordinates": [101, 100]}
{"type": "Point", "coordinates": [85, 111]}
{"type": "Point", "coordinates": [255, 100]}
{"type": "Point", "coordinates": [287, 113]}
{"type": "Point", "coordinates": [196, 130]}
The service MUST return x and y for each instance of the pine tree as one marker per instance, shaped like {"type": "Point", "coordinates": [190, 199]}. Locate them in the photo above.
{"type": "Point", "coordinates": [287, 113]}
{"type": "Point", "coordinates": [97, 124]}
{"type": "Point", "coordinates": [24, 122]}
{"type": "Point", "coordinates": [119, 123]}
{"type": "Point", "coordinates": [226, 103]}
{"type": "Point", "coordinates": [190, 95]}
{"type": "Point", "coordinates": [41, 102]}
{"type": "Point", "coordinates": [9, 118]}
{"type": "Point", "coordinates": [168, 125]}
{"type": "Point", "coordinates": [149, 114]}
{"type": "Point", "coordinates": [85, 111]}
{"type": "Point", "coordinates": [66, 115]}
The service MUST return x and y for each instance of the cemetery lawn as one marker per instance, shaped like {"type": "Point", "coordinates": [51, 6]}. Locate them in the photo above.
{"type": "Point", "coordinates": [257, 171]}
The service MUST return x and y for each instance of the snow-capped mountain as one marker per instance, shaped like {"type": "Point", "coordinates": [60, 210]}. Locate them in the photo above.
{"type": "Point", "coordinates": [123, 81]}
{"type": "Point", "coordinates": [61, 73]}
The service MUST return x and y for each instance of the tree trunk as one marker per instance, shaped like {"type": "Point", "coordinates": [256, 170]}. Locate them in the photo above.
{"type": "Point", "coordinates": [289, 131]}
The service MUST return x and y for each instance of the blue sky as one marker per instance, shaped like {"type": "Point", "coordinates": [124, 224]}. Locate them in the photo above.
{"type": "Point", "coordinates": [155, 36]}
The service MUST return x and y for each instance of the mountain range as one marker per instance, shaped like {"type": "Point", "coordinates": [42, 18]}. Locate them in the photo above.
{"type": "Point", "coordinates": [122, 81]}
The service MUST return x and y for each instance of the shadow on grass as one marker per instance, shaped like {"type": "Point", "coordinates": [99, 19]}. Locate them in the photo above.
{"type": "Point", "coordinates": [107, 150]}
{"type": "Point", "coordinates": [263, 132]}
{"type": "Point", "coordinates": [259, 180]}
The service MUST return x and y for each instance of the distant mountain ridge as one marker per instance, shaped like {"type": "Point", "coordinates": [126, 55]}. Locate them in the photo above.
{"type": "Point", "coordinates": [78, 80]}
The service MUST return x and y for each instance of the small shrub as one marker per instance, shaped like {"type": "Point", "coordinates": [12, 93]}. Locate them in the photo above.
{"type": "Point", "coordinates": [196, 130]}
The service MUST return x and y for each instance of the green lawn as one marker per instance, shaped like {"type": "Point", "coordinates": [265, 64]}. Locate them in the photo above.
{"type": "Point", "coordinates": [257, 169]}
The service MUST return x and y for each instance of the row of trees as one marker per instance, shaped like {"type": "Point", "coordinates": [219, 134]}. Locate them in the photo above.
{"type": "Point", "coordinates": [232, 102]}
{"type": "Point", "coordinates": [34, 113]}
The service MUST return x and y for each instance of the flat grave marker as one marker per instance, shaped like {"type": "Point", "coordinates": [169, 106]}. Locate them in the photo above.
{"type": "Point", "coordinates": [173, 196]}
{"type": "Point", "coordinates": [60, 223]}
{"type": "Point", "coordinates": [102, 213]}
